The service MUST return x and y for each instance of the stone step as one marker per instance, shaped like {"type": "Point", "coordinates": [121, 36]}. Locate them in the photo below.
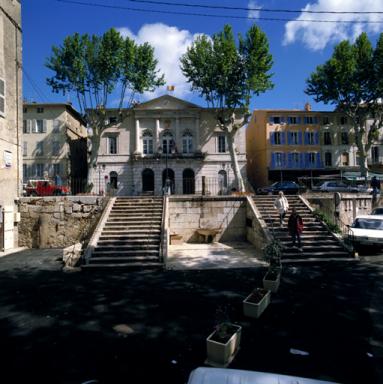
{"type": "Point", "coordinates": [130, 266]}
{"type": "Point", "coordinates": [130, 231]}
{"type": "Point", "coordinates": [130, 221]}
{"type": "Point", "coordinates": [126, 253]}
{"type": "Point", "coordinates": [311, 249]}
{"type": "Point", "coordinates": [137, 215]}
{"type": "Point", "coordinates": [136, 209]}
{"type": "Point", "coordinates": [130, 236]}
{"type": "Point", "coordinates": [127, 241]}
{"type": "Point", "coordinates": [315, 255]}
{"type": "Point", "coordinates": [121, 259]}
{"type": "Point", "coordinates": [127, 247]}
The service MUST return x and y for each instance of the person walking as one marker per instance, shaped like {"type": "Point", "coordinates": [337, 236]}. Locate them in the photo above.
{"type": "Point", "coordinates": [295, 227]}
{"type": "Point", "coordinates": [282, 205]}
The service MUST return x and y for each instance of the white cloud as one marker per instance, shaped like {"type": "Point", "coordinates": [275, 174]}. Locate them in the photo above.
{"type": "Point", "coordinates": [169, 44]}
{"type": "Point", "coordinates": [252, 13]}
{"type": "Point", "coordinates": [316, 36]}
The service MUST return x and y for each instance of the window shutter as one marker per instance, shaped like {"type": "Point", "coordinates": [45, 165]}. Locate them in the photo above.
{"type": "Point", "coordinates": [33, 170]}
{"type": "Point", "coordinates": [29, 126]}
{"type": "Point", "coordinates": [2, 97]}
{"type": "Point", "coordinates": [283, 137]}
{"type": "Point", "coordinates": [272, 138]}
{"type": "Point", "coordinates": [289, 138]}
{"type": "Point", "coordinates": [44, 126]}
{"type": "Point", "coordinates": [307, 160]}
{"type": "Point", "coordinates": [318, 162]}
{"type": "Point", "coordinates": [306, 138]}
{"type": "Point", "coordinates": [302, 160]}
{"type": "Point", "coordinates": [271, 119]}
{"type": "Point", "coordinates": [300, 138]}
{"type": "Point", "coordinates": [284, 160]}
{"type": "Point", "coordinates": [289, 160]}
{"type": "Point", "coordinates": [283, 119]}
{"type": "Point", "coordinates": [273, 160]}
{"type": "Point", "coordinates": [316, 138]}
{"type": "Point", "coordinates": [299, 119]}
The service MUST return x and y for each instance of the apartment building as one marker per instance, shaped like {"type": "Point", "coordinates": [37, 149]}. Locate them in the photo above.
{"type": "Point", "coordinates": [287, 144]}
{"type": "Point", "coordinates": [49, 133]}
{"type": "Point", "coordinates": [10, 121]}
{"type": "Point", "coordinates": [165, 138]}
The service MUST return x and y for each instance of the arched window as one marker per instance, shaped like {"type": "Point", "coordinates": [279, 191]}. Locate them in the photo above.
{"type": "Point", "coordinates": [147, 143]}
{"type": "Point", "coordinates": [167, 142]}
{"type": "Point", "coordinates": [113, 177]}
{"type": "Point", "coordinates": [187, 143]}
{"type": "Point", "coordinates": [168, 180]}
{"type": "Point", "coordinates": [147, 180]}
{"type": "Point", "coordinates": [328, 159]}
{"type": "Point", "coordinates": [188, 181]}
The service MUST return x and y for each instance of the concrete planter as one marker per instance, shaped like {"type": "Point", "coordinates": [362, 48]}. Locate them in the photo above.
{"type": "Point", "coordinates": [221, 351]}
{"type": "Point", "coordinates": [272, 279]}
{"type": "Point", "coordinates": [255, 304]}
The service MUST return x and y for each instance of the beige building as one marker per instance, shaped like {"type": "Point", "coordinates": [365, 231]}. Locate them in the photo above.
{"type": "Point", "coordinates": [10, 121]}
{"type": "Point", "coordinates": [166, 138]}
{"type": "Point", "coordinates": [48, 130]}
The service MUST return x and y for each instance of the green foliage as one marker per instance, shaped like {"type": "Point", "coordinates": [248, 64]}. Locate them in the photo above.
{"type": "Point", "coordinates": [94, 66]}
{"type": "Point", "coordinates": [227, 74]}
{"type": "Point", "coordinates": [323, 217]}
{"type": "Point", "coordinates": [352, 81]}
{"type": "Point", "coordinates": [273, 252]}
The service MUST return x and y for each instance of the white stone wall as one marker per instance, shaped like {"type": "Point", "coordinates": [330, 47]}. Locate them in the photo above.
{"type": "Point", "coordinates": [226, 214]}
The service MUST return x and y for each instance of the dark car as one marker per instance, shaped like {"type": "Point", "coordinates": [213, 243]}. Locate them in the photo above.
{"type": "Point", "coordinates": [287, 187]}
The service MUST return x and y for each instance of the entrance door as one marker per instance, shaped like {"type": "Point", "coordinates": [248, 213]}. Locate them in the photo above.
{"type": "Point", "coordinates": [148, 180]}
{"type": "Point", "coordinates": [168, 174]}
{"type": "Point", "coordinates": [188, 182]}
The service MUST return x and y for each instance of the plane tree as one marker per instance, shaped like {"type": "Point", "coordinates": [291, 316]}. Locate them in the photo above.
{"type": "Point", "coordinates": [352, 81]}
{"type": "Point", "coordinates": [227, 74]}
{"type": "Point", "coordinates": [103, 72]}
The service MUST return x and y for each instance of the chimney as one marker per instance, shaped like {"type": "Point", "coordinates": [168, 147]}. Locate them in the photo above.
{"type": "Point", "coordinates": [307, 107]}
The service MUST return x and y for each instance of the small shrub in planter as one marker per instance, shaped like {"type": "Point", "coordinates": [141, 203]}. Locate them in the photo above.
{"type": "Point", "coordinates": [255, 304]}
{"type": "Point", "coordinates": [272, 278]}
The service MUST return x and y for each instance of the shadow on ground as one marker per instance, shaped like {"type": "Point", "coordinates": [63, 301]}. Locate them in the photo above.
{"type": "Point", "coordinates": [141, 327]}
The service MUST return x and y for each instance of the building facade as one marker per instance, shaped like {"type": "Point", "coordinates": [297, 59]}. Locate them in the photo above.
{"type": "Point", "coordinates": [287, 144]}
{"type": "Point", "coordinates": [165, 139]}
{"type": "Point", "coordinates": [50, 132]}
{"type": "Point", "coordinates": [10, 121]}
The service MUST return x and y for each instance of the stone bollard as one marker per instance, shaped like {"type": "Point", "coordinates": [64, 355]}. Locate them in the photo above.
{"type": "Point", "coordinates": [44, 229]}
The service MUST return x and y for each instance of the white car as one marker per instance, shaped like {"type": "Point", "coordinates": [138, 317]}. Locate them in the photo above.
{"type": "Point", "coordinates": [367, 231]}
{"type": "Point", "coordinates": [339, 186]}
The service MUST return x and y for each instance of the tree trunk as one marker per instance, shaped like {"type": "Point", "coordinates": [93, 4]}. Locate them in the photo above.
{"type": "Point", "coordinates": [234, 161]}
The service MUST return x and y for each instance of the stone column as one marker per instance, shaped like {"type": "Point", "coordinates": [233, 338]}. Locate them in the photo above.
{"type": "Point", "coordinates": [156, 136]}
{"type": "Point", "coordinates": [137, 138]}
{"type": "Point", "coordinates": [197, 145]}
{"type": "Point", "coordinates": [177, 133]}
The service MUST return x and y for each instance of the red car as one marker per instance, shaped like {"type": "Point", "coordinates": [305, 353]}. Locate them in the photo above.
{"type": "Point", "coordinates": [45, 188]}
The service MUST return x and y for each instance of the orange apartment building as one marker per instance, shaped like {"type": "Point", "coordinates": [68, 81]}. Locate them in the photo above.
{"type": "Point", "coordinates": [287, 144]}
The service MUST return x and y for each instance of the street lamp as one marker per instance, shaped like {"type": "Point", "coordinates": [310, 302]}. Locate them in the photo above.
{"type": "Point", "coordinates": [99, 167]}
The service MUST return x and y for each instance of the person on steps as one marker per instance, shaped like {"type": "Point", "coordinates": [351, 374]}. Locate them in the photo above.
{"type": "Point", "coordinates": [295, 227]}
{"type": "Point", "coordinates": [282, 205]}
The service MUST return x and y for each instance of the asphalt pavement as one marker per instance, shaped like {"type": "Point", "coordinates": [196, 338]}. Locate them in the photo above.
{"type": "Point", "coordinates": [325, 322]}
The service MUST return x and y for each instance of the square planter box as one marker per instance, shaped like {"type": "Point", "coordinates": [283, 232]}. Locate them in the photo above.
{"type": "Point", "coordinates": [256, 303]}
{"type": "Point", "coordinates": [271, 281]}
{"type": "Point", "coordinates": [220, 353]}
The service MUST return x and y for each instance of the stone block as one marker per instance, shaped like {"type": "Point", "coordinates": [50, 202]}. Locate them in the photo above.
{"type": "Point", "coordinates": [77, 215]}
{"type": "Point", "coordinates": [48, 209]}
{"type": "Point", "coordinates": [76, 207]}
{"type": "Point", "coordinates": [68, 209]}
{"type": "Point", "coordinates": [86, 208]}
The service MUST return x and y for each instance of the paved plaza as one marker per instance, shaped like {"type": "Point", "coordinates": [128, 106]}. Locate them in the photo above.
{"type": "Point", "coordinates": [151, 326]}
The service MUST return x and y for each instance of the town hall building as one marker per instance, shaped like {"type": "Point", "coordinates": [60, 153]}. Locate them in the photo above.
{"type": "Point", "coordinates": [166, 141]}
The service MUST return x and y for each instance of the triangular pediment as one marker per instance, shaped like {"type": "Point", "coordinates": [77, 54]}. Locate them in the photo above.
{"type": "Point", "coordinates": [166, 102]}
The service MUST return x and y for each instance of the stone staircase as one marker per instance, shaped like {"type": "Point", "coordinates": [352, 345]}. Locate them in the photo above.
{"type": "Point", "coordinates": [317, 241]}
{"type": "Point", "coordinates": [131, 235]}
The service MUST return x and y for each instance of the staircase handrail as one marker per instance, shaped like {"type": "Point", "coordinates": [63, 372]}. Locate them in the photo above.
{"type": "Point", "coordinates": [97, 232]}
{"type": "Point", "coordinates": [164, 241]}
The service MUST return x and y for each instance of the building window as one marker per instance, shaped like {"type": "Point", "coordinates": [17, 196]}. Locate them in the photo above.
{"type": "Point", "coordinates": [187, 143]}
{"type": "Point", "coordinates": [294, 138]}
{"type": "Point", "coordinates": [40, 148]}
{"type": "Point", "coordinates": [310, 138]}
{"type": "Point", "coordinates": [2, 97]}
{"type": "Point", "coordinates": [39, 126]}
{"type": "Point", "coordinates": [343, 120]}
{"type": "Point", "coordinates": [327, 138]}
{"type": "Point", "coordinates": [277, 138]}
{"type": "Point", "coordinates": [147, 143]}
{"type": "Point", "coordinates": [25, 148]}
{"type": "Point", "coordinates": [112, 120]}
{"type": "Point", "coordinates": [311, 159]}
{"type": "Point", "coordinates": [25, 172]}
{"type": "Point", "coordinates": [295, 160]}
{"type": "Point", "coordinates": [167, 142]}
{"type": "Point", "coordinates": [344, 138]}
{"type": "Point", "coordinates": [222, 147]}
{"type": "Point", "coordinates": [56, 169]}
{"type": "Point", "coordinates": [325, 120]}
{"type": "Point", "coordinates": [375, 155]}
{"type": "Point", "coordinates": [275, 120]}
{"type": "Point", "coordinates": [56, 126]}
{"type": "Point", "coordinates": [26, 126]}
{"type": "Point", "coordinates": [278, 159]}
{"type": "Point", "coordinates": [55, 148]}
{"type": "Point", "coordinates": [113, 177]}
{"type": "Point", "coordinates": [293, 120]}
{"type": "Point", "coordinates": [25, 110]}
{"type": "Point", "coordinates": [39, 170]}
{"type": "Point", "coordinates": [112, 145]}
{"type": "Point", "coordinates": [344, 159]}
{"type": "Point", "coordinates": [328, 159]}
{"type": "Point", "coordinates": [40, 110]}
{"type": "Point", "coordinates": [310, 120]}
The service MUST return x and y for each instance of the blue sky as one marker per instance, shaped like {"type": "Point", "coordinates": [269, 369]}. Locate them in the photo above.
{"type": "Point", "coordinates": [297, 47]}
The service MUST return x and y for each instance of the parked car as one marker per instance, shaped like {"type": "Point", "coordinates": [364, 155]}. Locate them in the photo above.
{"type": "Point", "coordinates": [340, 186]}
{"type": "Point", "coordinates": [288, 187]}
{"type": "Point", "coordinates": [367, 231]}
{"type": "Point", "coordinates": [45, 188]}
{"type": "Point", "coordinates": [377, 211]}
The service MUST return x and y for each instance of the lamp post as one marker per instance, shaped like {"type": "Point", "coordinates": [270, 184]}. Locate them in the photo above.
{"type": "Point", "coordinates": [99, 167]}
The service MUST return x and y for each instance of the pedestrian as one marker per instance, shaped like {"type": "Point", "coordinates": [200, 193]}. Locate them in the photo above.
{"type": "Point", "coordinates": [282, 205]}
{"type": "Point", "coordinates": [375, 185]}
{"type": "Point", "coordinates": [295, 227]}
